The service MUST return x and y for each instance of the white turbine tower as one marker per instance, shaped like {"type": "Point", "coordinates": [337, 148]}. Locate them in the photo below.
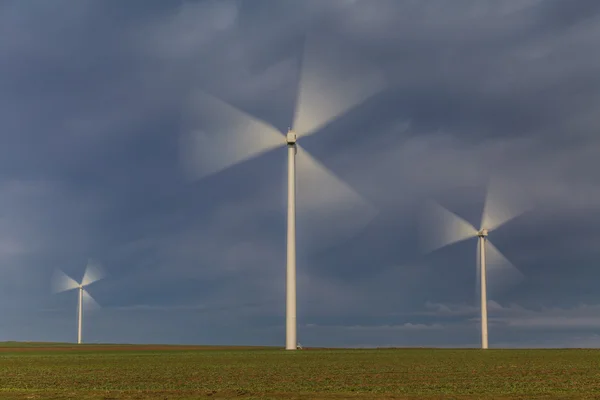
{"type": "Point", "coordinates": [62, 282]}
{"type": "Point", "coordinates": [325, 92]}
{"type": "Point", "coordinates": [442, 228]}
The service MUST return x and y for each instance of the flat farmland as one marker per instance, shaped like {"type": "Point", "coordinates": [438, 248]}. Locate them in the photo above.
{"type": "Point", "coordinates": [63, 371]}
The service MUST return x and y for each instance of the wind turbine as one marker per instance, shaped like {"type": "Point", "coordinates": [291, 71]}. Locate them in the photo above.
{"type": "Point", "coordinates": [326, 91]}
{"type": "Point", "coordinates": [62, 283]}
{"type": "Point", "coordinates": [442, 228]}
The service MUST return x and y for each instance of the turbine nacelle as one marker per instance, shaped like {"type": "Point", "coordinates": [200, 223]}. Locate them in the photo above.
{"type": "Point", "coordinates": [290, 137]}
{"type": "Point", "coordinates": [482, 233]}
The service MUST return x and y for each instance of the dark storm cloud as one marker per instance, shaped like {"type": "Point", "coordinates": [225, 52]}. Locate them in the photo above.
{"type": "Point", "coordinates": [90, 105]}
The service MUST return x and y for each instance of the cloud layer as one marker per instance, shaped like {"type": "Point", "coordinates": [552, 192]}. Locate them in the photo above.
{"type": "Point", "coordinates": [91, 116]}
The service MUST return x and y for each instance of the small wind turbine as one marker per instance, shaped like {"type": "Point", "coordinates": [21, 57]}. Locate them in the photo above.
{"type": "Point", "coordinates": [442, 228]}
{"type": "Point", "coordinates": [62, 282]}
{"type": "Point", "coordinates": [323, 96]}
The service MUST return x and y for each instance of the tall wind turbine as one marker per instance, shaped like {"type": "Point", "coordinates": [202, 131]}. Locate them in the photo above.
{"type": "Point", "coordinates": [62, 282]}
{"type": "Point", "coordinates": [442, 228]}
{"type": "Point", "coordinates": [326, 91]}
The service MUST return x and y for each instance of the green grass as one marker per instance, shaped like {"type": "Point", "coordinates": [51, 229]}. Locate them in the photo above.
{"type": "Point", "coordinates": [130, 372]}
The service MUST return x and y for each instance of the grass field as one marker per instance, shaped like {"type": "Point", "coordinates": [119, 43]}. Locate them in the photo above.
{"type": "Point", "coordinates": [62, 371]}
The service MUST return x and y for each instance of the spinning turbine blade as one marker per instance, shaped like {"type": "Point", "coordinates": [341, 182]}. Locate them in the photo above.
{"type": "Point", "coordinates": [93, 273]}
{"type": "Point", "coordinates": [62, 282]}
{"type": "Point", "coordinates": [217, 136]}
{"type": "Point", "coordinates": [328, 210]}
{"type": "Point", "coordinates": [440, 228]}
{"type": "Point", "coordinates": [88, 301]}
{"type": "Point", "coordinates": [501, 273]}
{"type": "Point", "coordinates": [330, 84]}
{"type": "Point", "coordinates": [503, 202]}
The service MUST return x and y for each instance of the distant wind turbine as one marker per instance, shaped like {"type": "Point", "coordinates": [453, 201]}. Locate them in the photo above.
{"type": "Point", "coordinates": [323, 96]}
{"type": "Point", "coordinates": [442, 228]}
{"type": "Point", "coordinates": [62, 282]}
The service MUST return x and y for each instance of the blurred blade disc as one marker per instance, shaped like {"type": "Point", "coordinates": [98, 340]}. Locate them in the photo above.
{"type": "Point", "coordinates": [331, 83]}
{"type": "Point", "coordinates": [61, 282]}
{"type": "Point", "coordinates": [93, 273]}
{"type": "Point", "coordinates": [88, 302]}
{"type": "Point", "coordinates": [328, 210]}
{"type": "Point", "coordinates": [217, 135]}
{"type": "Point", "coordinates": [440, 228]}
{"type": "Point", "coordinates": [501, 274]}
{"type": "Point", "coordinates": [503, 202]}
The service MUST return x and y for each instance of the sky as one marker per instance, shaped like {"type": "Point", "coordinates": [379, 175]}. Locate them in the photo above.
{"type": "Point", "coordinates": [96, 96]}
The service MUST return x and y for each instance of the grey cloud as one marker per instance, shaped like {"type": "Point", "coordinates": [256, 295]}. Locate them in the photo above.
{"type": "Point", "coordinates": [582, 316]}
{"type": "Point", "coordinates": [91, 110]}
{"type": "Point", "coordinates": [579, 317]}
{"type": "Point", "coordinates": [404, 327]}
